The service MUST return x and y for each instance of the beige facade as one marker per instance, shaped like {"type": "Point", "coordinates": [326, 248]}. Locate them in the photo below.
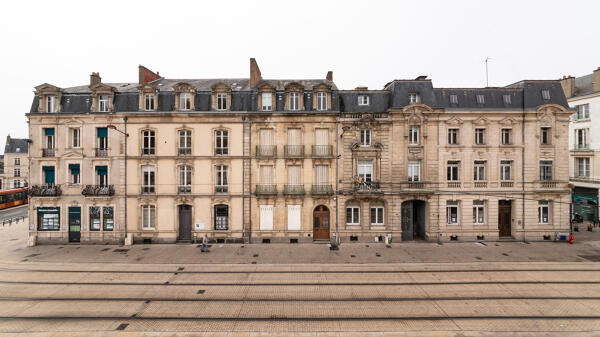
{"type": "Point", "coordinates": [254, 160]}
{"type": "Point", "coordinates": [16, 164]}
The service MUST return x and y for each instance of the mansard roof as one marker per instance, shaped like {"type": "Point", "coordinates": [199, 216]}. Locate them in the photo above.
{"type": "Point", "coordinates": [16, 145]}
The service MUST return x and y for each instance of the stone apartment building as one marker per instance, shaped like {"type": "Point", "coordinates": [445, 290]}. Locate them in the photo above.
{"type": "Point", "coordinates": [261, 160]}
{"type": "Point", "coordinates": [16, 164]}
{"type": "Point", "coordinates": [583, 95]}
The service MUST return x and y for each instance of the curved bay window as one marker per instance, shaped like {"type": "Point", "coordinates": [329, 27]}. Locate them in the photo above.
{"type": "Point", "coordinates": [221, 217]}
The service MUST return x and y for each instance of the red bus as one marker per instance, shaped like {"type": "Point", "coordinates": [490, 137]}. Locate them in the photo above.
{"type": "Point", "coordinates": [14, 197]}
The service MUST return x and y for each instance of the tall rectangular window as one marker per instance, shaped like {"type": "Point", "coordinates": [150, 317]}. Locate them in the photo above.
{"type": "Point", "coordinates": [149, 102]}
{"type": "Point", "coordinates": [377, 216]}
{"type": "Point", "coordinates": [48, 175]}
{"type": "Point", "coordinates": [267, 101]}
{"type": "Point", "coordinates": [544, 211]}
{"type": "Point", "coordinates": [413, 135]}
{"type": "Point", "coordinates": [478, 212]}
{"type": "Point", "coordinates": [266, 175]}
{"type": "Point", "coordinates": [75, 174]}
{"type": "Point", "coordinates": [49, 138]}
{"type": "Point", "coordinates": [266, 217]}
{"type": "Point", "coordinates": [581, 139]}
{"type": "Point", "coordinates": [479, 136]}
{"type": "Point", "coordinates": [108, 218]}
{"type": "Point", "coordinates": [294, 175]}
{"type": "Point", "coordinates": [294, 102]}
{"type": "Point", "coordinates": [506, 170]}
{"type": "Point", "coordinates": [321, 175]}
{"type": "Point", "coordinates": [221, 183]}
{"type": "Point", "coordinates": [148, 216]}
{"type": "Point", "coordinates": [452, 136]}
{"type": "Point", "coordinates": [353, 215]}
{"type": "Point", "coordinates": [452, 171]}
{"type": "Point", "coordinates": [365, 137]}
{"type": "Point", "coordinates": [103, 103]}
{"type": "Point", "coordinates": [452, 212]}
{"type": "Point", "coordinates": [321, 101]}
{"type": "Point", "coordinates": [222, 101]}
{"type": "Point", "coordinates": [221, 142]}
{"type": "Point", "coordinates": [185, 179]}
{"type": "Point", "coordinates": [294, 217]}
{"type": "Point", "coordinates": [185, 101]}
{"type": "Point", "coordinates": [148, 179]}
{"type": "Point", "coordinates": [506, 136]}
{"type": "Point", "coordinates": [102, 139]}
{"type": "Point", "coordinates": [51, 104]}
{"type": "Point", "coordinates": [185, 142]}
{"type": "Point", "coordinates": [582, 167]}
{"type": "Point", "coordinates": [95, 218]}
{"type": "Point", "coordinates": [545, 169]}
{"type": "Point", "coordinates": [454, 99]}
{"type": "Point", "coordinates": [583, 112]}
{"type": "Point", "coordinates": [17, 161]}
{"type": "Point", "coordinates": [102, 176]}
{"type": "Point", "coordinates": [545, 136]}
{"type": "Point", "coordinates": [221, 217]}
{"type": "Point", "coordinates": [479, 170]}
{"type": "Point", "coordinates": [75, 137]}
{"type": "Point", "coordinates": [17, 172]}
{"type": "Point", "coordinates": [414, 170]}
{"type": "Point", "coordinates": [148, 142]}
{"type": "Point", "coordinates": [365, 170]}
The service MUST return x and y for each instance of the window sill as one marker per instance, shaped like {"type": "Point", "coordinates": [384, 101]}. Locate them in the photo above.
{"type": "Point", "coordinates": [479, 224]}
{"type": "Point", "coordinates": [352, 224]}
{"type": "Point", "coordinates": [377, 224]}
{"type": "Point", "coordinates": [545, 224]}
{"type": "Point", "coordinates": [149, 229]}
{"type": "Point", "coordinates": [452, 224]}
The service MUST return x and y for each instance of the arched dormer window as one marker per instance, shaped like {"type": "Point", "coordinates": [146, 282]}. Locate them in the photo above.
{"type": "Point", "coordinates": [49, 98]}
{"type": "Point", "coordinates": [322, 97]}
{"type": "Point", "coordinates": [148, 97]}
{"type": "Point", "coordinates": [221, 97]}
{"type": "Point", "coordinates": [102, 97]}
{"type": "Point", "coordinates": [184, 96]}
{"type": "Point", "coordinates": [294, 96]}
{"type": "Point", "coordinates": [266, 97]}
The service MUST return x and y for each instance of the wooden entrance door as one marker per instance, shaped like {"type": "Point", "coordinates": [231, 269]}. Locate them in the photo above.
{"type": "Point", "coordinates": [504, 217]}
{"type": "Point", "coordinates": [321, 223]}
{"type": "Point", "coordinates": [185, 222]}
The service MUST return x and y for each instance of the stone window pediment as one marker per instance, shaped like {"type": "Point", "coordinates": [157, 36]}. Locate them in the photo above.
{"type": "Point", "coordinates": [48, 90]}
{"type": "Point", "coordinates": [99, 90]}
{"type": "Point", "coordinates": [221, 97]}
{"type": "Point", "coordinates": [481, 121]}
{"type": "Point", "coordinates": [454, 120]}
{"type": "Point", "coordinates": [294, 96]}
{"type": "Point", "coordinates": [187, 89]}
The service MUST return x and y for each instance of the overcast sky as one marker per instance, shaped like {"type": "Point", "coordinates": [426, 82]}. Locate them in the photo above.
{"type": "Point", "coordinates": [363, 42]}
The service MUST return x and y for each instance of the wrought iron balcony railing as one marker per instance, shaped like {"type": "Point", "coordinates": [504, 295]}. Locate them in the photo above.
{"type": "Point", "coordinates": [367, 186]}
{"type": "Point", "coordinates": [47, 152]}
{"type": "Point", "coordinates": [101, 152]}
{"type": "Point", "coordinates": [185, 151]}
{"type": "Point", "coordinates": [264, 189]}
{"type": "Point", "coordinates": [148, 189]}
{"type": "Point", "coordinates": [293, 190]}
{"type": "Point", "coordinates": [98, 190]}
{"type": "Point", "coordinates": [46, 190]}
{"type": "Point", "coordinates": [322, 151]}
{"type": "Point", "coordinates": [293, 151]}
{"type": "Point", "coordinates": [183, 189]}
{"type": "Point", "coordinates": [321, 189]}
{"type": "Point", "coordinates": [266, 150]}
{"type": "Point", "coordinates": [221, 188]}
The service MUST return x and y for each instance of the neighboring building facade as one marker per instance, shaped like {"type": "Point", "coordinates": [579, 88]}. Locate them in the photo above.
{"type": "Point", "coordinates": [583, 95]}
{"type": "Point", "coordinates": [16, 164]}
{"type": "Point", "coordinates": [255, 160]}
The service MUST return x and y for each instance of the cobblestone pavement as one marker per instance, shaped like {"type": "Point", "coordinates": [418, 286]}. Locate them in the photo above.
{"type": "Point", "coordinates": [409, 289]}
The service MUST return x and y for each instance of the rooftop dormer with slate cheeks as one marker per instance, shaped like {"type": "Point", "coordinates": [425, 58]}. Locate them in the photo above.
{"type": "Point", "coordinates": [102, 94]}
{"type": "Point", "coordinates": [321, 97]}
{"type": "Point", "coordinates": [49, 98]}
{"type": "Point", "coordinates": [148, 97]}
{"type": "Point", "coordinates": [221, 97]}
{"type": "Point", "coordinates": [266, 99]}
{"type": "Point", "coordinates": [401, 91]}
{"type": "Point", "coordinates": [184, 96]}
{"type": "Point", "coordinates": [294, 96]}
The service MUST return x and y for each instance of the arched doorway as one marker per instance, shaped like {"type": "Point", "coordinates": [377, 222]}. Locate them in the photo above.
{"type": "Point", "coordinates": [413, 220]}
{"type": "Point", "coordinates": [185, 223]}
{"type": "Point", "coordinates": [321, 223]}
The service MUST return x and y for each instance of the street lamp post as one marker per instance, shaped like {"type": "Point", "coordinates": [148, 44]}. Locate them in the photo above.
{"type": "Point", "coordinates": [113, 127]}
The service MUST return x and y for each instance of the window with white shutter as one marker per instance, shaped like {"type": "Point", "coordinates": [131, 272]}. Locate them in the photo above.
{"type": "Point", "coordinates": [293, 177]}
{"type": "Point", "coordinates": [266, 217]}
{"type": "Point", "coordinates": [294, 217]}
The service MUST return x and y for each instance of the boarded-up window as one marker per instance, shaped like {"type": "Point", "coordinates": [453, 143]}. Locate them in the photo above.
{"type": "Point", "coordinates": [294, 212]}
{"type": "Point", "coordinates": [266, 217]}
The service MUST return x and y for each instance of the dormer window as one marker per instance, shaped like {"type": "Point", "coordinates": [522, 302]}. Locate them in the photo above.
{"type": "Point", "coordinates": [221, 101]}
{"type": "Point", "coordinates": [51, 104]}
{"type": "Point", "coordinates": [267, 101]}
{"type": "Point", "coordinates": [546, 94]}
{"type": "Point", "coordinates": [506, 99]}
{"type": "Point", "coordinates": [294, 101]}
{"type": "Point", "coordinates": [454, 99]}
{"type": "Point", "coordinates": [149, 102]}
{"type": "Point", "coordinates": [480, 99]}
{"type": "Point", "coordinates": [363, 100]}
{"type": "Point", "coordinates": [185, 101]}
{"type": "Point", "coordinates": [321, 101]}
{"type": "Point", "coordinates": [414, 98]}
{"type": "Point", "coordinates": [103, 103]}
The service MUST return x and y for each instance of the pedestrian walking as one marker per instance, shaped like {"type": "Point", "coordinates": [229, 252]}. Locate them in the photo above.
{"type": "Point", "coordinates": [204, 244]}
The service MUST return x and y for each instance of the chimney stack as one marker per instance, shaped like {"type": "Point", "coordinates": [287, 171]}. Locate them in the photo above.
{"type": "Point", "coordinates": [329, 76]}
{"type": "Point", "coordinates": [95, 78]}
{"type": "Point", "coordinates": [568, 85]}
{"type": "Point", "coordinates": [7, 139]}
{"type": "Point", "coordinates": [255, 75]}
{"type": "Point", "coordinates": [146, 75]}
{"type": "Point", "coordinates": [596, 80]}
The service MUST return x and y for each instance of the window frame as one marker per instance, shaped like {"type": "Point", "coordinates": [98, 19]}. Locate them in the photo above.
{"type": "Point", "coordinates": [321, 101]}
{"type": "Point", "coordinates": [546, 166]}
{"type": "Point", "coordinates": [148, 179]}
{"type": "Point", "coordinates": [365, 137]}
{"type": "Point", "coordinates": [453, 136]}
{"type": "Point", "coordinates": [412, 166]}
{"type": "Point", "coordinates": [75, 135]}
{"type": "Point", "coordinates": [479, 136]}
{"type": "Point", "coordinates": [479, 212]}
{"type": "Point", "coordinates": [506, 99]}
{"type": "Point", "coordinates": [221, 136]}
{"type": "Point", "coordinates": [148, 142]}
{"type": "Point", "coordinates": [586, 161]}
{"type": "Point", "coordinates": [186, 136]}
{"type": "Point", "coordinates": [363, 100]}
{"type": "Point", "coordinates": [453, 170]}
{"type": "Point", "coordinates": [379, 215]}
{"type": "Point", "coordinates": [506, 170]}
{"type": "Point", "coordinates": [545, 135]}
{"type": "Point", "coordinates": [151, 210]}
{"type": "Point", "coordinates": [413, 135]}
{"type": "Point", "coordinates": [450, 205]}
{"type": "Point", "coordinates": [267, 107]}
{"type": "Point", "coordinates": [544, 205]}
{"type": "Point", "coordinates": [365, 164]}
{"type": "Point", "coordinates": [103, 103]}
{"type": "Point", "coordinates": [546, 94]}
{"type": "Point", "coordinates": [354, 214]}
{"type": "Point", "coordinates": [294, 101]}
{"type": "Point", "coordinates": [222, 101]}
{"type": "Point", "coordinates": [478, 167]}
{"type": "Point", "coordinates": [508, 133]}
{"type": "Point", "coordinates": [480, 99]}
{"type": "Point", "coordinates": [185, 101]}
{"type": "Point", "coordinates": [454, 99]}
{"type": "Point", "coordinates": [51, 103]}
{"type": "Point", "coordinates": [184, 178]}
{"type": "Point", "coordinates": [149, 102]}
{"type": "Point", "coordinates": [222, 178]}
{"type": "Point", "coordinates": [414, 98]}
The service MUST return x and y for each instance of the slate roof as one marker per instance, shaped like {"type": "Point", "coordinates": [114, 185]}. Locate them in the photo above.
{"type": "Point", "coordinates": [16, 145]}
{"type": "Point", "coordinates": [584, 85]}
{"type": "Point", "coordinates": [236, 84]}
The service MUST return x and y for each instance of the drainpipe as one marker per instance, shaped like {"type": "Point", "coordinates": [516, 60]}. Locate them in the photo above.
{"type": "Point", "coordinates": [250, 180]}
{"type": "Point", "coordinates": [243, 177]}
{"type": "Point", "coordinates": [125, 152]}
{"type": "Point", "coordinates": [523, 172]}
{"type": "Point", "coordinates": [337, 191]}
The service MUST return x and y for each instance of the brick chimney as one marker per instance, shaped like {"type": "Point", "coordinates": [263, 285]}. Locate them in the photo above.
{"type": "Point", "coordinates": [7, 139]}
{"type": "Point", "coordinates": [255, 75]}
{"type": "Point", "coordinates": [329, 76]}
{"type": "Point", "coordinates": [596, 80]}
{"type": "Point", "coordinates": [95, 78]}
{"type": "Point", "coordinates": [568, 85]}
{"type": "Point", "coordinates": [146, 75]}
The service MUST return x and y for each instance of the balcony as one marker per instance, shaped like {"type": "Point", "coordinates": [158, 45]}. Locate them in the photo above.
{"type": "Point", "coordinates": [321, 189]}
{"type": "Point", "coordinates": [98, 190]}
{"type": "Point", "coordinates": [184, 189]}
{"type": "Point", "coordinates": [47, 152]}
{"type": "Point", "coordinates": [47, 190]}
{"type": "Point", "coordinates": [147, 189]}
{"type": "Point", "coordinates": [293, 190]}
{"type": "Point", "coordinates": [415, 185]}
{"type": "Point", "coordinates": [507, 184]}
{"type": "Point", "coordinates": [266, 190]}
{"type": "Point", "coordinates": [322, 151]}
{"type": "Point", "coordinates": [185, 151]}
{"type": "Point", "coordinates": [581, 147]}
{"type": "Point", "coordinates": [148, 151]}
{"type": "Point", "coordinates": [101, 152]}
{"type": "Point", "coordinates": [221, 189]}
{"type": "Point", "coordinates": [548, 184]}
{"type": "Point", "coordinates": [293, 151]}
{"type": "Point", "coordinates": [266, 151]}
{"type": "Point", "coordinates": [480, 184]}
{"type": "Point", "coordinates": [370, 186]}
{"type": "Point", "coordinates": [454, 184]}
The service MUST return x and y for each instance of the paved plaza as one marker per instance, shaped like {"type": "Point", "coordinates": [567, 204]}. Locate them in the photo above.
{"type": "Point", "coordinates": [363, 289]}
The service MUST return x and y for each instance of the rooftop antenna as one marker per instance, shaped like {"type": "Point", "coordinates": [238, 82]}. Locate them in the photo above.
{"type": "Point", "coordinates": [487, 79]}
